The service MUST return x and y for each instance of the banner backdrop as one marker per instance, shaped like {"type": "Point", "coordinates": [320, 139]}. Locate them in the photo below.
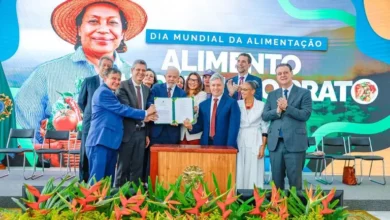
{"type": "Point", "coordinates": [339, 50]}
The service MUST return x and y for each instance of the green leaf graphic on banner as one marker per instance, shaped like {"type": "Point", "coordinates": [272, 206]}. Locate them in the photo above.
{"type": "Point", "coordinates": [320, 14]}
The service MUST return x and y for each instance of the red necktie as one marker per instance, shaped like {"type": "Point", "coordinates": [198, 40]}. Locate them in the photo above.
{"type": "Point", "coordinates": [169, 92]}
{"type": "Point", "coordinates": [239, 93]}
{"type": "Point", "coordinates": [212, 127]}
{"type": "Point", "coordinates": [139, 98]}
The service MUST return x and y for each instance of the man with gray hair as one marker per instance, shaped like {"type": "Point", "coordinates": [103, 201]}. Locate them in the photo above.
{"type": "Point", "coordinates": [135, 139]}
{"type": "Point", "coordinates": [88, 88]}
{"type": "Point", "coordinates": [219, 117]}
{"type": "Point", "coordinates": [165, 133]}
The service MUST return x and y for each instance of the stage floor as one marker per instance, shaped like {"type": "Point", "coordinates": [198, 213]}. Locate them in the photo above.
{"type": "Point", "coordinates": [367, 196]}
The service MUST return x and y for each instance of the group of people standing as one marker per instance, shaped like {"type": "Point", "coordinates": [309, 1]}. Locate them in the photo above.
{"type": "Point", "coordinates": [119, 130]}
{"type": "Point", "coordinates": [118, 127]}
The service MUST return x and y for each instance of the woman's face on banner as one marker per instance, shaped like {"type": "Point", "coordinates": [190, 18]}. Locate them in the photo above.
{"type": "Point", "coordinates": [101, 29]}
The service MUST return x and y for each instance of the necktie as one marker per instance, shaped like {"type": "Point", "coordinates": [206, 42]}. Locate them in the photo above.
{"type": "Point", "coordinates": [139, 98]}
{"type": "Point", "coordinates": [239, 83]}
{"type": "Point", "coordinates": [169, 92]}
{"type": "Point", "coordinates": [285, 93]}
{"type": "Point", "coordinates": [213, 116]}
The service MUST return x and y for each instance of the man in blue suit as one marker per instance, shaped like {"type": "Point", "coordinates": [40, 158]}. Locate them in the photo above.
{"type": "Point", "coordinates": [159, 133]}
{"type": "Point", "coordinates": [106, 132]}
{"type": "Point", "coordinates": [219, 117]}
{"type": "Point", "coordinates": [88, 88]}
{"type": "Point", "coordinates": [233, 89]}
{"type": "Point", "coordinates": [166, 134]}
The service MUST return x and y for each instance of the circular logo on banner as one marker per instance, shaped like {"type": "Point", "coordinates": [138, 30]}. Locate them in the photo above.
{"type": "Point", "coordinates": [364, 91]}
{"type": "Point", "coordinates": [5, 106]}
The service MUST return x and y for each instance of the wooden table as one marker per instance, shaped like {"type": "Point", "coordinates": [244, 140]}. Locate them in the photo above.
{"type": "Point", "coordinates": [168, 162]}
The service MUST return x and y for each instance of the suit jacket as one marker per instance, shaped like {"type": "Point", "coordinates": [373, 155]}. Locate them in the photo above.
{"type": "Point", "coordinates": [292, 121]}
{"type": "Point", "coordinates": [88, 88]}
{"type": "Point", "coordinates": [107, 115]}
{"type": "Point", "coordinates": [160, 90]}
{"type": "Point", "coordinates": [227, 122]}
{"type": "Point", "coordinates": [128, 95]}
{"type": "Point", "coordinates": [259, 91]}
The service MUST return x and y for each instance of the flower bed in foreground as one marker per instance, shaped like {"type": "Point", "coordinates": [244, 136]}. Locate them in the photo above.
{"type": "Point", "coordinates": [178, 201]}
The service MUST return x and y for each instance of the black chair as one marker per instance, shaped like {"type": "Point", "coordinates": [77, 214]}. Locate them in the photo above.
{"type": "Point", "coordinates": [363, 144]}
{"type": "Point", "coordinates": [317, 158]}
{"type": "Point", "coordinates": [52, 135]}
{"type": "Point", "coordinates": [73, 152]}
{"type": "Point", "coordinates": [18, 133]}
{"type": "Point", "coordinates": [339, 148]}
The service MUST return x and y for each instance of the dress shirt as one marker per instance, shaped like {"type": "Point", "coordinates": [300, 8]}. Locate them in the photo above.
{"type": "Point", "coordinates": [212, 105]}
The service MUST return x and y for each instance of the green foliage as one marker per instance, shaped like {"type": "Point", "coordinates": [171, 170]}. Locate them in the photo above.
{"type": "Point", "coordinates": [177, 200]}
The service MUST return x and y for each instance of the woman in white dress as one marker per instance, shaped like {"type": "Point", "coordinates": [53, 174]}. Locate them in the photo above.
{"type": "Point", "coordinates": [193, 88]}
{"type": "Point", "coordinates": [252, 139]}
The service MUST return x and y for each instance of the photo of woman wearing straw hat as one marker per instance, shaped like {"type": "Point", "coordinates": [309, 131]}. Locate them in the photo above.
{"type": "Point", "coordinates": [96, 28]}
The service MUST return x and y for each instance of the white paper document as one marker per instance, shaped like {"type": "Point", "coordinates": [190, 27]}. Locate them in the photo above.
{"type": "Point", "coordinates": [164, 110]}
{"type": "Point", "coordinates": [184, 108]}
{"type": "Point", "coordinates": [174, 110]}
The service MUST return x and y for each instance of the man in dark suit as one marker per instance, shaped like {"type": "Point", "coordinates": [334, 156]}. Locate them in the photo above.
{"type": "Point", "coordinates": [166, 134]}
{"type": "Point", "coordinates": [232, 87]}
{"type": "Point", "coordinates": [135, 137]}
{"type": "Point", "coordinates": [88, 88]}
{"type": "Point", "coordinates": [219, 117]}
{"type": "Point", "coordinates": [159, 133]}
{"type": "Point", "coordinates": [287, 108]}
{"type": "Point", "coordinates": [106, 132]}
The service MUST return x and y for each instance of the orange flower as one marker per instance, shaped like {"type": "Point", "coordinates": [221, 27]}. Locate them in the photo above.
{"type": "Point", "coordinates": [200, 200]}
{"type": "Point", "coordinates": [258, 201]}
{"type": "Point", "coordinates": [88, 208]}
{"type": "Point", "coordinates": [86, 192]}
{"type": "Point", "coordinates": [326, 202]}
{"type": "Point", "coordinates": [275, 197]}
{"type": "Point", "coordinates": [229, 200]}
{"type": "Point", "coordinates": [119, 212]}
{"type": "Point", "coordinates": [143, 212]}
{"type": "Point", "coordinates": [283, 213]}
{"type": "Point", "coordinates": [230, 197]}
{"type": "Point", "coordinates": [41, 197]}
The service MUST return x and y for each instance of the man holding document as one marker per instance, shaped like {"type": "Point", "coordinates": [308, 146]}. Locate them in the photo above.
{"type": "Point", "coordinates": [219, 117]}
{"type": "Point", "coordinates": [165, 130]}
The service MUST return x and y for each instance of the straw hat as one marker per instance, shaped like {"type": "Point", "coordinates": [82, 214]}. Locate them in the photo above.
{"type": "Point", "coordinates": [63, 18]}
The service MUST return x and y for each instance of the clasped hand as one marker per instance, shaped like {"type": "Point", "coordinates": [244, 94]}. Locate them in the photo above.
{"type": "Point", "coordinates": [282, 104]}
{"type": "Point", "coordinates": [152, 114]}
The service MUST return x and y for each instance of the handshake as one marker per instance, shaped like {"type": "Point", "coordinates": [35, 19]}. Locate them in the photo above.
{"type": "Point", "coordinates": [151, 114]}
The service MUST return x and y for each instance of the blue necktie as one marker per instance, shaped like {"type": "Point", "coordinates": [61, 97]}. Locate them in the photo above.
{"type": "Point", "coordinates": [285, 93]}
{"type": "Point", "coordinates": [280, 130]}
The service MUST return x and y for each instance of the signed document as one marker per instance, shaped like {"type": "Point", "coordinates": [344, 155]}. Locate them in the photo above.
{"type": "Point", "coordinates": [184, 108]}
{"type": "Point", "coordinates": [164, 110]}
{"type": "Point", "coordinates": [174, 110]}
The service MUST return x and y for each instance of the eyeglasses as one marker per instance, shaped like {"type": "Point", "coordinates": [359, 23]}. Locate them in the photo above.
{"type": "Point", "coordinates": [192, 80]}
{"type": "Point", "coordinates": [245, 90]}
